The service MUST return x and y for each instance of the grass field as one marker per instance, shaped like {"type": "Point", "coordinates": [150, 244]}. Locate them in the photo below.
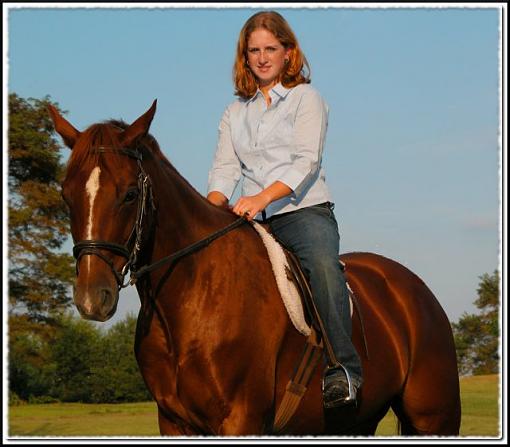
{"type": "Point", "coordinates": [479, 394]}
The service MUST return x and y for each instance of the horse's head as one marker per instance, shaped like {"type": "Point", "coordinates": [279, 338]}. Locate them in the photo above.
{"type": "Point", "coordinates": [106, 195]}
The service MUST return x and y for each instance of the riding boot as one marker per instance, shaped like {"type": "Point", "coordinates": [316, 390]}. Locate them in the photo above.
{"type": "Point", "coordinates": [339, 384]}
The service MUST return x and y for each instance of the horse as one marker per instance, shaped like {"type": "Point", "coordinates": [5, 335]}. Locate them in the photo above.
{"type": "Point", "coordinates": [213, 342]}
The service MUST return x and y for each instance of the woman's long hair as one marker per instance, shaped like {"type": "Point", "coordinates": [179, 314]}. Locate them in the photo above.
{"type": "Point", "coordinates": [296, 71]}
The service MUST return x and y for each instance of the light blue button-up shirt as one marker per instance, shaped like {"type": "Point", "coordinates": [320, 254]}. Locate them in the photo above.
{"type": "Point", "coordinates": [263, 144]}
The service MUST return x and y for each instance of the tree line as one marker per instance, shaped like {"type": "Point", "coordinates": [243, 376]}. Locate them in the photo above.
{"type": "Point", "coordinates": [55, 356]}
{"type": "Point", "coordinates": [77, 363]}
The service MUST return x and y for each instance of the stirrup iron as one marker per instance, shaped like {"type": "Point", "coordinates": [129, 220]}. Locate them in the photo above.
{"type": "Point", "coordinates": [351, 397]}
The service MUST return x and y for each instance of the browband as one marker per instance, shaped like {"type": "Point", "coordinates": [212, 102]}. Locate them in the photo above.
{"type": "Point", "coordinates": [129, 152]}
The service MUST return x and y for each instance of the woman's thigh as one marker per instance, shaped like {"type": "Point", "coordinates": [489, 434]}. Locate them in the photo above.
{"type": "Point", "coordinates": [311, 232]}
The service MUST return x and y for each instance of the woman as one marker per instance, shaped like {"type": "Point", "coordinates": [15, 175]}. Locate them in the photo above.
{"type": "Point", "coordinates": [273, 138]}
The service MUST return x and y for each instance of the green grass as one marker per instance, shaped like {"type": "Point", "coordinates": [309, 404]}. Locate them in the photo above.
{"type": "Point", "coordinates": [479, 395]}
{"type": "Point", "coordinates": [133, 419]}
{"type": "Point", "coordinates": [480, 406]}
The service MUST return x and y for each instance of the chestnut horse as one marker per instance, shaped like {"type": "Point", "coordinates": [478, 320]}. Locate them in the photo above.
{"type": "Point", "coordinates": [214, 342]}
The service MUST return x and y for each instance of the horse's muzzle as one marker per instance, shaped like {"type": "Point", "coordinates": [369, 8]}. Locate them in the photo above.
{"type": "Point", "coordinates": [98, 304]}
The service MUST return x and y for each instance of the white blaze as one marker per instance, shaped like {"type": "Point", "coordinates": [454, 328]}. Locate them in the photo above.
{"type": "Point", "coordinates": [92, 187]}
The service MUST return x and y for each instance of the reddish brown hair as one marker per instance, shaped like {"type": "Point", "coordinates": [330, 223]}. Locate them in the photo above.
{"type": "Point", "coordinates": [297, 71]}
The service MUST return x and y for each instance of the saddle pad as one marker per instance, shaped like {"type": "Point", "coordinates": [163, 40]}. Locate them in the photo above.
{"type": "Point", "coordinates": [287, 288]}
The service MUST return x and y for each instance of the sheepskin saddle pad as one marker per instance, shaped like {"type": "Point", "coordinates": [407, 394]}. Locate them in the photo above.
{"type": "Point", "coordinates": [288, 284]}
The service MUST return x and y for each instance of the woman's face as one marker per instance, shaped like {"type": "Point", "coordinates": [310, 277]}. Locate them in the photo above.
{"type": "Point", "coordinates": [266, 57]}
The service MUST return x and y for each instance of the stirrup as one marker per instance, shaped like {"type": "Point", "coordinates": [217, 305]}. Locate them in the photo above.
{"type": "Point", "coordinates": [351, 397]}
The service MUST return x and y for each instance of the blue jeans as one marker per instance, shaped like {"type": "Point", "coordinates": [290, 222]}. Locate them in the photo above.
{"type": "Point", "coordinates": [311, 233]}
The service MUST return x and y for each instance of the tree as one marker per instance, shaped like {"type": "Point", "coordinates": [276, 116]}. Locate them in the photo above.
{"type": "Point", "coordinates": [75, 351]}
{"type": "Point", "coordinates": [78, 362]}
{"type": "Point", "coordinates": [31, 371]}
{"type": "Point", "coordinates": [52, 354]}
{"type": "Point", "coordinates": [477, 336]}
{"type": "Point", "coordinates": [118, 378]}
{"type": "Point", "coordinates": [39, 276]}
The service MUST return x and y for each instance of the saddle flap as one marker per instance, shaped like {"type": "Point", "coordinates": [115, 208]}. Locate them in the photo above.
{"type": "Point", "coordinates": [297, 276]}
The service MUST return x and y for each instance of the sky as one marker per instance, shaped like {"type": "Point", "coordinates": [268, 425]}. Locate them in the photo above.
{"type": "Point", "coordinates": [413, 154]}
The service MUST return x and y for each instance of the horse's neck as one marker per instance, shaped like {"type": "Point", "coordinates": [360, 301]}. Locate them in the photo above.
{"type": "Point", "coordinates": [183, 215]}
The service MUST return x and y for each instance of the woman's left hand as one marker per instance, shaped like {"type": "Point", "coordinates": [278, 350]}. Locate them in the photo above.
{"type": "Point", "coordinates": [250, 205]}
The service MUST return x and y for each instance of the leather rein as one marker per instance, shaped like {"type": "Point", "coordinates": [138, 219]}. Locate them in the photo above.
{"type": "Point", "coordinates": [145, 205]}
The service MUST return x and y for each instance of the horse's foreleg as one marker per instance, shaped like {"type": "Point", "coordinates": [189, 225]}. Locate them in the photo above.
{"type": "Point", "coordinates": [241, 423]}
{"type": "Point", "coordinates": [247, 417]}
{"type": "Point", "coordinates": [169, 427]}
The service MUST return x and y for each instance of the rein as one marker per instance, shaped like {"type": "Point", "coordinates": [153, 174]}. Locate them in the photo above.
{"type": "Point", "coordinates": [187, 250]}
{"type": "Point", "coordinates": [93, 247]}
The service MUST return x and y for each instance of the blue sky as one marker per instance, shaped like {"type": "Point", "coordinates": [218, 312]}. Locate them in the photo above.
{"type": "Point", "coordinates": [412, 155]}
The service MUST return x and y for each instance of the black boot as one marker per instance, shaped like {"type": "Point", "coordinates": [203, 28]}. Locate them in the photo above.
{"type": "Point", "coordinates": [339, 389]}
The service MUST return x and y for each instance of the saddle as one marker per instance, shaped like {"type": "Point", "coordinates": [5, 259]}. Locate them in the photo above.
{"type": "Point", "coordinates": [316, 341]}
{"type": "Point", "coordinates": [295, 274]}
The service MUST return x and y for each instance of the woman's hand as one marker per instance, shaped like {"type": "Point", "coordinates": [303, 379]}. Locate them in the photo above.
{"type": "Point", "coordinates": [251, 205]}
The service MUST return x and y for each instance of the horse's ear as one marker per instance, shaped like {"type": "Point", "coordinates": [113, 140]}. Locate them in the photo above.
{"type": "Point", "coordinates": [63, 127]}
{"type": "Point", "coordinates": [140, 127]}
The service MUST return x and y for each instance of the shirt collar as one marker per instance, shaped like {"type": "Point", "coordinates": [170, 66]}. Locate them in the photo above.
{"type": "Point", "coordinates": [279, 89]}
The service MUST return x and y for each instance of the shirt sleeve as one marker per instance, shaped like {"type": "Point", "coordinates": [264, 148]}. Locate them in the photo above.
{"type": "Point", "coordinates": [226, 169]}
{"type": "Point", "coordinates": [308, 142]}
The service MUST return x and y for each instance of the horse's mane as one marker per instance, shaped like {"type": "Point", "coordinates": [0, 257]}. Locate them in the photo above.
{"type": "Point", "coordinates": [106, 134]}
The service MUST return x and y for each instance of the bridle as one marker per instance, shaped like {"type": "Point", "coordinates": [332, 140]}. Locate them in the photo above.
{"type": "Point", "coordinates": [145, 205]}
{"type": "Point", "coordinates": [145, 200]}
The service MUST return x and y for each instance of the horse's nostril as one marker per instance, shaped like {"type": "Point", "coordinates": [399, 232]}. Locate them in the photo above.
{"type": "Point", "coordinates": [106, 296]}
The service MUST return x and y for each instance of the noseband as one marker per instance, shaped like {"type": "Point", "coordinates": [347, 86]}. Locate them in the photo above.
{"type": "Point", "coordinates": [145, 199]}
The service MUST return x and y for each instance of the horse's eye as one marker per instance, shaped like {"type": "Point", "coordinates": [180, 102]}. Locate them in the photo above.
{"type": "Point", "coordinates": [131, 196]}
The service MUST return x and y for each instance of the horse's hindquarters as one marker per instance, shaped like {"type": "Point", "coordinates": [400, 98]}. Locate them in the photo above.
{"type": "Point", "coordinates": [412, 362]}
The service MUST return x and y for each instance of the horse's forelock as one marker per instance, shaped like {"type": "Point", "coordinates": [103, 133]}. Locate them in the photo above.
{"type": "Point", "coordinates": [107, 134]}
{"type": "Point", "coordinates": [96, 135]}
